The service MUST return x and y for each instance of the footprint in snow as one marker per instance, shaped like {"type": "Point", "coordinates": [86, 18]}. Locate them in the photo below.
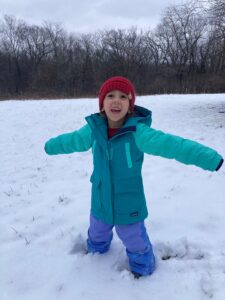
{"type": "Point", "coordinates": [79, 245]}
{"type": "Point", "coordinates": [180, 249]}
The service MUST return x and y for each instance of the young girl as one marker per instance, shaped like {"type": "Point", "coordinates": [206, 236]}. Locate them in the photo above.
{"type": "Point", "coordinates": [119, 135]}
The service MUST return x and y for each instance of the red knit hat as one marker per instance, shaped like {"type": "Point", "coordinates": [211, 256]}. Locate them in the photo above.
{"type": "Point", "coordinates": [117, 83]}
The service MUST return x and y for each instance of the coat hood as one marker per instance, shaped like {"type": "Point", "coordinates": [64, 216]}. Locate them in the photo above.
{"type": "Point", "coordinates": [140, 114]}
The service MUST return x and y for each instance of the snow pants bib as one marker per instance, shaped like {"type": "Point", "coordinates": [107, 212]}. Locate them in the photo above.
{"type": "Point", "coordinates": [134, 237]}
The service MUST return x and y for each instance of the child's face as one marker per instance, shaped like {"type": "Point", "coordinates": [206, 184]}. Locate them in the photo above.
{"type": "Point", "coordinates": [116, 105]}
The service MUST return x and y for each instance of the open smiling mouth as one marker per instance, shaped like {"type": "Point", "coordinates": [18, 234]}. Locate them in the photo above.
{"type": "Point", "coordinates": [115, 110]}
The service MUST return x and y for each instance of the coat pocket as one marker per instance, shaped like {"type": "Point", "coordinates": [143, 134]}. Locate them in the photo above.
{"type": "Point", "coordinates": [96, 193]}
{"type": "Point", "coordinates": [129, 196]}
{"type": "Point", "coordinates": [128, 155]}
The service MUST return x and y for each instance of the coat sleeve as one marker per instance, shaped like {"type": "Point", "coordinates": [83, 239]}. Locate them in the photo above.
{"type": "Point", "coordinates": [77, 141]}
{"type": "Point", "coordinates": [186, 151]}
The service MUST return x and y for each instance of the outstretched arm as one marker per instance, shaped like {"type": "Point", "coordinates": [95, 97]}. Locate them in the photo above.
{"type": "Point", "coordinates": [76, 141]}
{"type": "Point", "coordinates": [189, 152]}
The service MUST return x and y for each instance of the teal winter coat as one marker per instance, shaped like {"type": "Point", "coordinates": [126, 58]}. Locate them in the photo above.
{"type": "Point", "coordinates": [117, 188]}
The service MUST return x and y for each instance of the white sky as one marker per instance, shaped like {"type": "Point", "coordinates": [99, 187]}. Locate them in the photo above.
{"type": "Point", "coordinates": [86, 15]}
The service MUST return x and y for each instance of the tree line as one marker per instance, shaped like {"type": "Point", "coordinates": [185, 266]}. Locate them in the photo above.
{"type": "Point", "coordinates": [184, 53]}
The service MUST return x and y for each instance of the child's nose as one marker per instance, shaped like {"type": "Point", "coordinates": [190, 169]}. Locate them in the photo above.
{"type": "Point", "coordinates": [117, 99]}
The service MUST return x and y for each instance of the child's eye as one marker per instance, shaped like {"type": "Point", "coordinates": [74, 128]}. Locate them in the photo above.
{"type": "Point", "coordinates": [123, 97]}
{"type": "Point", "coordinates": [110, 95]}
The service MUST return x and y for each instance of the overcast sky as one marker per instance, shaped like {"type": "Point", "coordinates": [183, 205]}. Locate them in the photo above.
{"type": "Point", "coordinates": [86, 15]}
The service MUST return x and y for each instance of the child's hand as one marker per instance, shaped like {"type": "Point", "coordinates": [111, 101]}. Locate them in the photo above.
{"type": "Point", "coordinates": [220, 164]}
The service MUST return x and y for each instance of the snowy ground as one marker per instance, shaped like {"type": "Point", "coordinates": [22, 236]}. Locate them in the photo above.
{"type": "Point", "coordinates": [44, 204]}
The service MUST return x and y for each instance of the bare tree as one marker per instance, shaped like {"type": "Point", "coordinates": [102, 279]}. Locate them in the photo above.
{"type": "Point", "coordinates": [11, 43]}
{"type": "Point", "coordinates": [185, 53]}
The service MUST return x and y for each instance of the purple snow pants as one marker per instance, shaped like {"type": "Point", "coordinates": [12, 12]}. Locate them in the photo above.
{"type": "Point", "coordinates": [134, 237]}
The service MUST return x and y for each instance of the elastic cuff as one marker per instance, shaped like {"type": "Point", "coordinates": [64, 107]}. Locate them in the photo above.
{"type": "Point", "coordinates": [219, 165]}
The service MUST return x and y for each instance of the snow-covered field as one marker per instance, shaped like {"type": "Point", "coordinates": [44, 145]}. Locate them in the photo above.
{"type": "Point", "coordinates": [45, 201]}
